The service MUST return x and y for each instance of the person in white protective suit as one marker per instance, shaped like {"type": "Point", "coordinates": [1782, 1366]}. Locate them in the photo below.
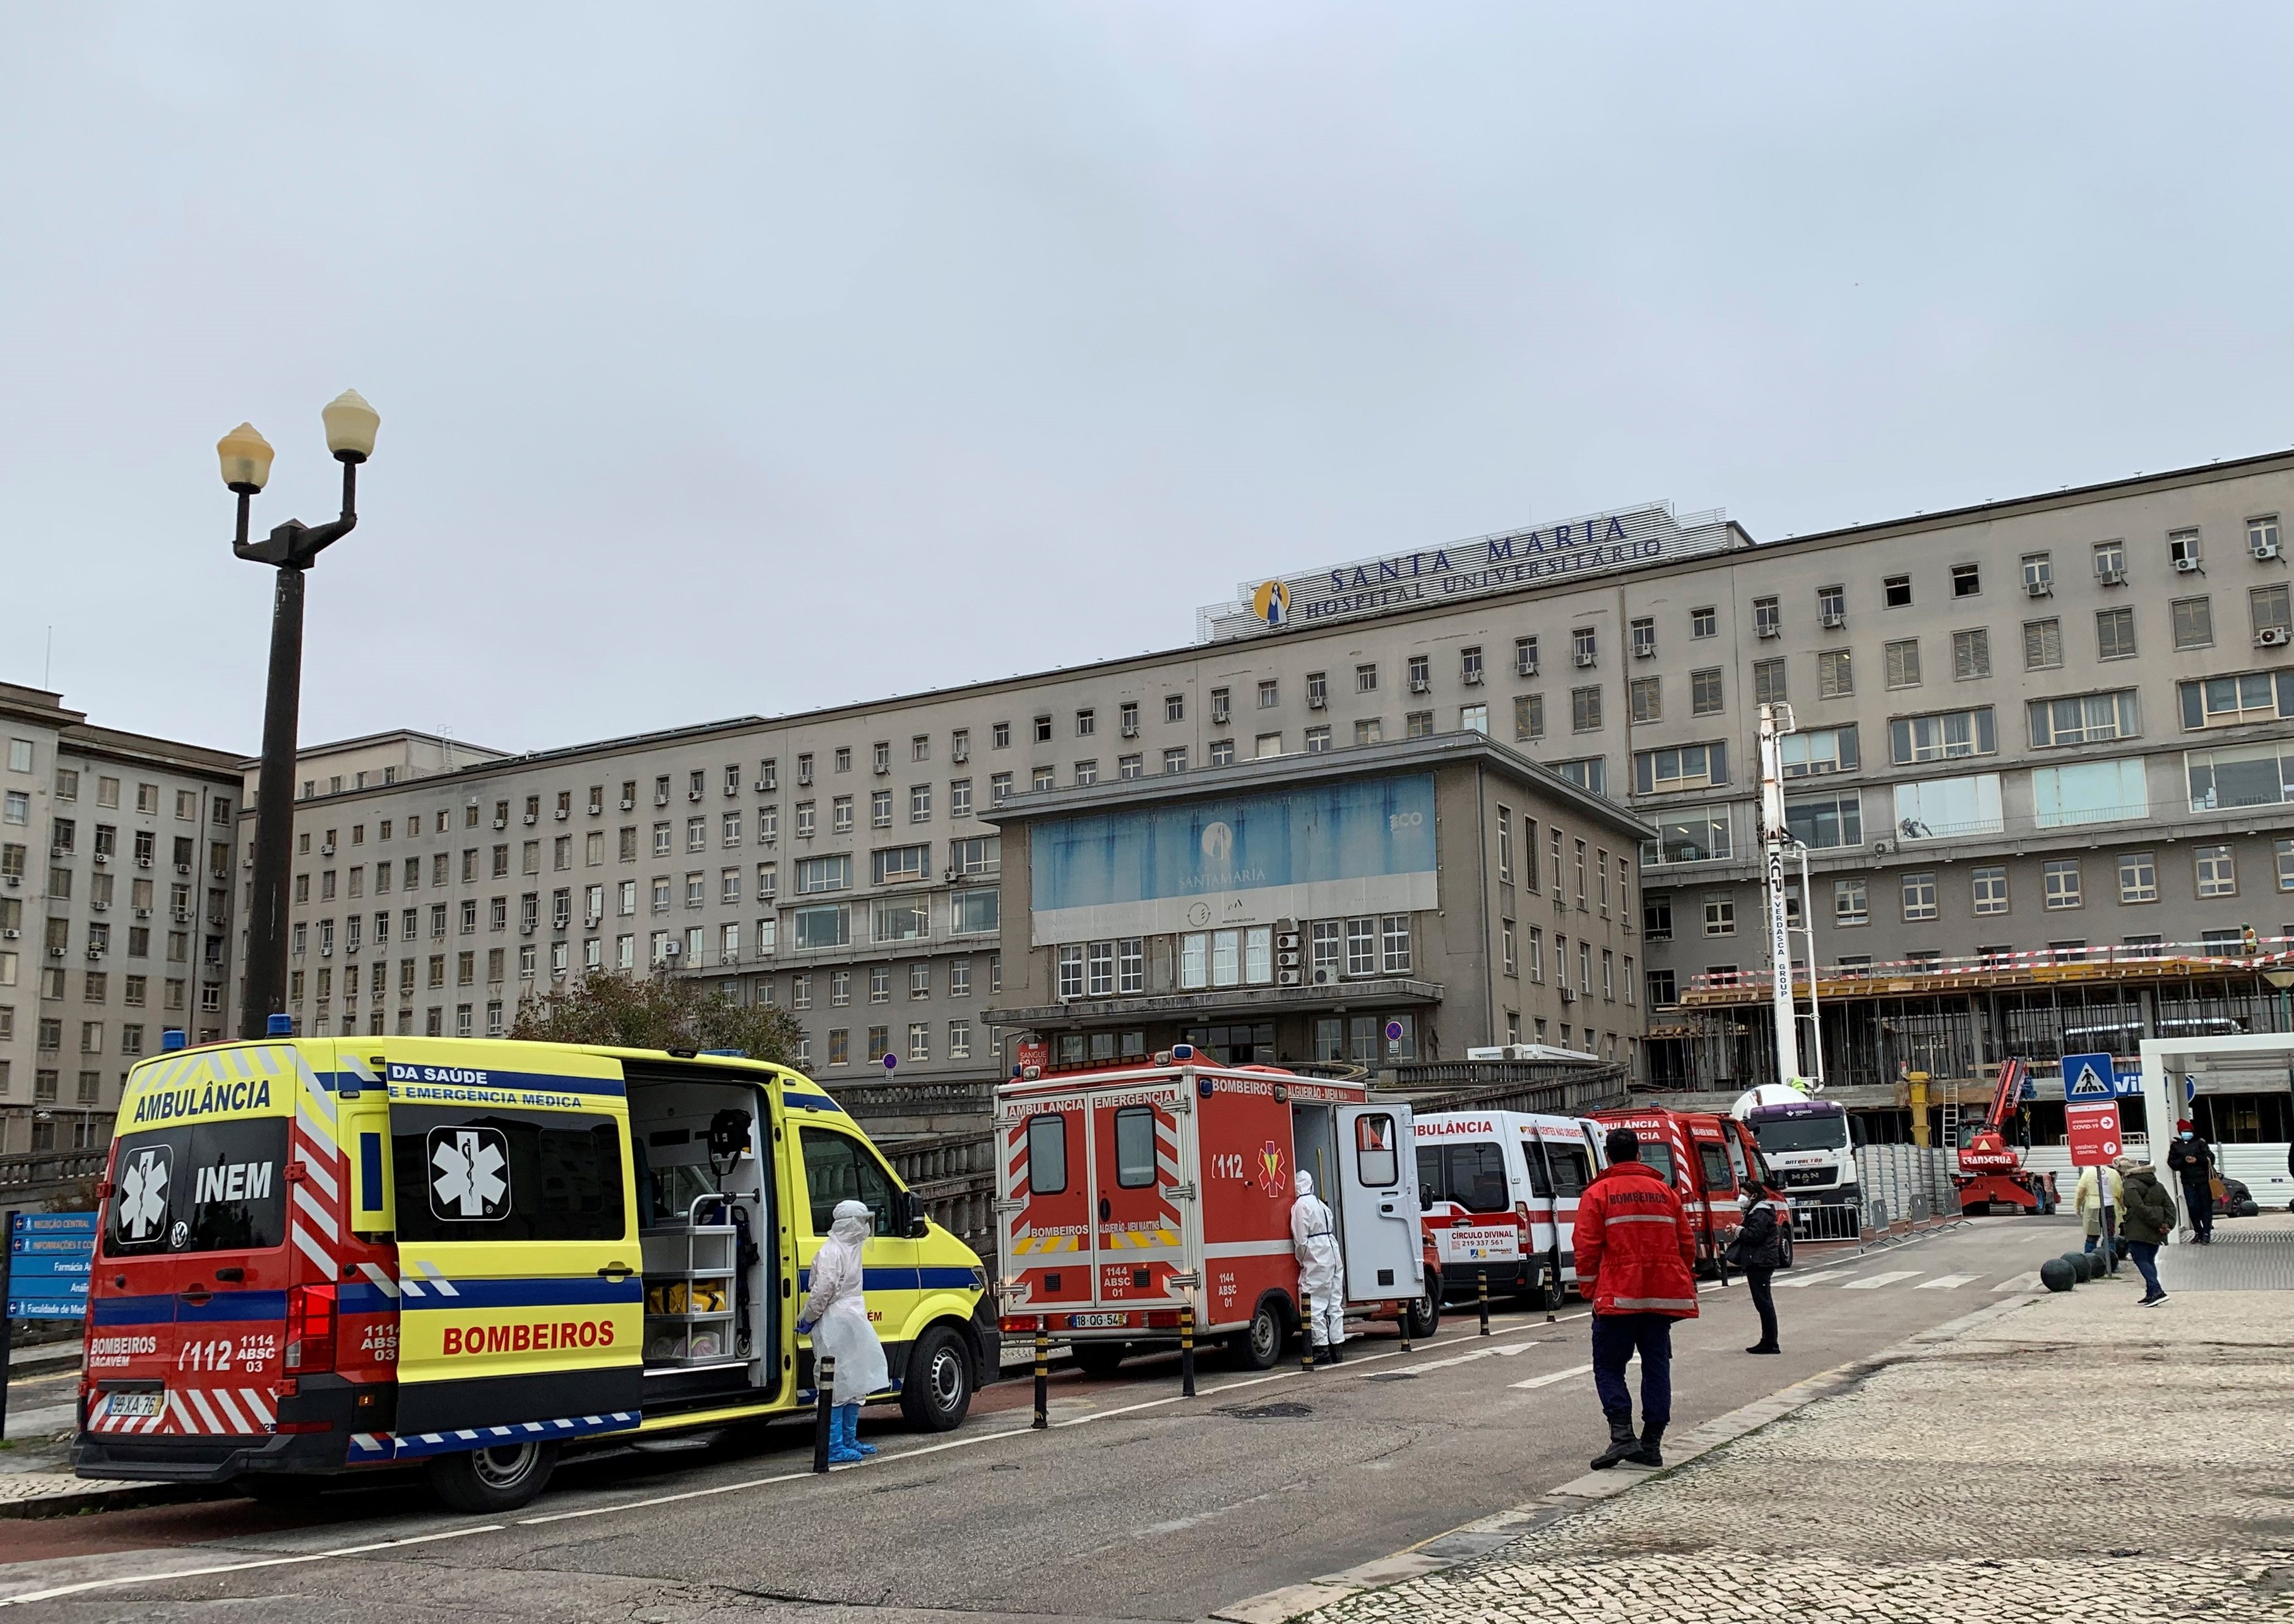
{"type": "Point", "coordinates": [1314, 1237]}
{"type": "Point", "coordinates": [836, 1316]}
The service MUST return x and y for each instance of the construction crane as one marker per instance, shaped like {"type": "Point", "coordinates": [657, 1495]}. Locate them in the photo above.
{"type": "Point", "coordinates": [1777, 847]}
{"type": "Point", "coordinates": [1991, 1172]}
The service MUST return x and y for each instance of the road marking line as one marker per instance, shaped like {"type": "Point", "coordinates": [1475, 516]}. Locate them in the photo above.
{"type": "Point", "coordinates": [86, 1585]}
{"type": "Point", "coordinates": [1460, 1359]}
{"type": "Point", "coordinates": [1873, 1282]}
{"type": "Point", "coordinates": [1945, 1282]}
{"type": "Point", "coordinates": [1551, 1377]}
{"type": "Point", "coordinates": [1810, 1279]}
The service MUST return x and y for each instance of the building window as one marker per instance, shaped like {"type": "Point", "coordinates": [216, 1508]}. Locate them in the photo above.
{"type": "Point", "coordinates": [1704, 692]}
{"type": "Point", "coordinates": [1703, 623]}
{"type": "Point", "coordinates": [2272, 614]}
{"type": "Point", "coordinates": [2138, 875]}
{"type": "Point", "coordinates": [1937, 808]}
{"type": "Point", "coordinates": [1369, 731]}
{"type": "Point", "coordinates": [1469, 667]}
{"type": "Point", "coordinates": [1318, 742]}
{"type": "Point", "coordinates": [1174, 761]}
{"type": "Point", "coordinates": [1318, 691]}
{"type": "Point", "coordinates": [1415, 725]}
{"type": "Point", "coordinates": [1590, 773]}
{"type": "Point", "coordinates": [1689, 766]}
{"type": "Point", "coordinates": [1471, 719]}
{"type": "Point", "coordinates": [2042, 645]}
{"type": "Point", "coordinates": [1581, 645]}
{"type": "Point", "coordinates": [2114, 634]}
{"type": "Point", "coordinates": [1832, 607]}
{"type": "Point", "coordinates": [1643, 633]}
{"type": "Point", "coordinates": [2194, 622]}
{"type": "Point", "coordinates": [1643, 701]}
{"type": "Point", "coordinates": [1324, 959]}
{"type": "Point", "coordinates": [1919, 896]}
{"type": "Point", "coordinates": [2284, 852]}
{"type": "Point", "coordinates": [1941, 736]}
{"type": "Point", "coordinates": [1719, 915]}
{"type": "Point", "coordinates": [2183, 548]}
{"type": "Point", "coordinates": [1362, 946]}
{"type": "Point", "coordinates": [1835, 674]}
{"type": "Point", "coordinates": [1990, 888]}
{"type": "Point", "coordinates": [1524, 657]}
{"type": "Point", "coordinates": [1366, 680]}
{"type": "Point", "coordinates": [2262, 536]}
{"type": "Point", "coordinates": [1768, 617]}
{"type": "Point", "coordinates": [1851, 904]}
{"type": "Point", "coordinates": [1529, 716]}
{"type": "Point", "coordinates": [1223, 752]}
{"type": "Point", "coordinates": [1394, 935]}
{"type": "Point", "coordinates": [1903, 662]}
{"type": "Point", "coordinates": [2111, 562]}
{"type": "Point", "coordinates": [1896, 592]}
{"type": "Point", "coordinates": [1819, 750]}
{"type": "Point", "coordinates": [1971, 654]}
{"type": "Point", "coordinates": [1585, 710]}
{"type": "Point", "coordinates": [1825, 822]}
{"type": "Point", "coordinates": [2062, 880]}
{"type": "Point", "coordinates": [1697, 834]}
{"type": "Point", "coordinates": [1270, 695]}
{"type": "Point", "coordinates": [1221, 707]}
{"type": "Point", "coordinates": [1042, 778]}
{"type": "Point", "coordinates": [2217, 873]}
{"type": "Point", "coordinates": [1420, 674]}
{"type": "Point", "coordinates": [2230, 701]}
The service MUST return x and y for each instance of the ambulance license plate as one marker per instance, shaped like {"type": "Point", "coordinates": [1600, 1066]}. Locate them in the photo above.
{"type": "Point", "coordinates": [137, 1403]}
{"type": "Point", "coordinates": [1086, 1322]}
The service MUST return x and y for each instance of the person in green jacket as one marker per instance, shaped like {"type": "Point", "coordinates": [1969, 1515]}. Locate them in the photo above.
{"type": "Point", "coordinates": [2149, 1220]}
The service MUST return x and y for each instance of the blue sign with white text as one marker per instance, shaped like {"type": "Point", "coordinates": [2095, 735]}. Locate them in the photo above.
{"type": "Point", "coordinates": [50, 1257]}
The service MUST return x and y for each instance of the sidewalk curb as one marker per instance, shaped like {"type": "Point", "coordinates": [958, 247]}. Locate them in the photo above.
{"type": "Point", "coordinates": [117, 1497]}
{"type": "Point", "coordinates": [1485, 1534]}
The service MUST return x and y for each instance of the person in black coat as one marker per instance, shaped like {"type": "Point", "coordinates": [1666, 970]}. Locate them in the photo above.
{"type": "Point", "coordinates": [2192, 1161]}
{"type": "Point", "coordinates": [1758, 1250]}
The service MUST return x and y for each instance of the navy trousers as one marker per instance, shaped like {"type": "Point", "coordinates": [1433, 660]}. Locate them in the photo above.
{"type": "Point", "coordinates": [1616, 1338]}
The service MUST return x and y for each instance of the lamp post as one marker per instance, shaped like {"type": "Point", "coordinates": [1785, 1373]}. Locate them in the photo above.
{"type": "Point", "coordinates": [290, 548]}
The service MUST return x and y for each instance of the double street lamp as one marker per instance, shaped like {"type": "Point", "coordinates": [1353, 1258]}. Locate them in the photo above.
{"type": "Point", "coordinates": [290, 548]}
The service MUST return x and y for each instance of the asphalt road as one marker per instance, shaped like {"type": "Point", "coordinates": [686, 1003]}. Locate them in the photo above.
{"type": "Point", "coordinates": [1137, 1504]}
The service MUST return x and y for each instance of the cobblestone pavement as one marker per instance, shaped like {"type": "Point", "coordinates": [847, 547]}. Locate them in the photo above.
{"type": "Point", "coordinates": [2074, 1457]}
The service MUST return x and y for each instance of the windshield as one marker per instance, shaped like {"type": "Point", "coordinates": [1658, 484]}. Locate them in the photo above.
{"type": "Point", "coordinates": [214, 1187]}
{"type": "Point", "coordinates": [1801, 1133]}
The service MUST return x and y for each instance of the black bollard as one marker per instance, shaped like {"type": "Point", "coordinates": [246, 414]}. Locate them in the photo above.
{"type": "Point", "coordinates": [1187, 1350]}
{"type": "Point", "coordinates": [1482, 1292]}
{"type": "Point", "coordinates": [824, 1392]}
{"type": "Point", "coordinates": [1305, 1329]}
{"type": "Point", "coordinates": [1402, 1323]}
{"type": "Point", "coordinates": [1043, 1378]}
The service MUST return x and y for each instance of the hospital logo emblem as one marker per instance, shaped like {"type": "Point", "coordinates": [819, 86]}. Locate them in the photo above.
{"type": "Point", "coordinates": [1218, 843]}
{"type": "Point", "coordinates": [144, 1193]}
{"type": "Point", "coordinates": [470, 1172]}
{"type": "Point", "coordinates": [1271, 604]}
{"type": "Point", "coordinates": [1271, 1178]}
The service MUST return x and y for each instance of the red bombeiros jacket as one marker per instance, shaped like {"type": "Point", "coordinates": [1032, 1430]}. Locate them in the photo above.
{"type": "Point", "coordinates": [1635, 1244]}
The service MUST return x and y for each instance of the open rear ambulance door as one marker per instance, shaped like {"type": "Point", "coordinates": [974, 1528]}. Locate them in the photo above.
{"type": "Point", "coordinates": [1378, 1204]}
{"type": "Point", "coordinates": [521, 1296]}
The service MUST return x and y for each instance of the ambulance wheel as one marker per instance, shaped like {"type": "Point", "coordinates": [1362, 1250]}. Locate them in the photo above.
{"type": "Point", "coordinates": [1099, 1359]}
{"type": "Point", "coordinates": [1260, 1347]}
{"type": "Point", "coordinates": [1426, 1313]}
{"type": "Point", "coordinates": [501, 1479]}
{"type": "Point", "coordinates": [937, 1391]}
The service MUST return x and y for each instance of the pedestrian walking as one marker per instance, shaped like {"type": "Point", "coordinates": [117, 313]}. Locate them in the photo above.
{"type": "Point", "coordinates": [2191, 1160]}
{"type": "Point", "coordinates": [1758, 1250]}
{"type": "Point", "coordinates": [2146, 1221]}
{"type": "Point", "coordinates": [836, 1316]}
{"type": "Point", "coordinates": [2087, 1199]}
{"type": "Point", "coordinates": [1637, 1255]}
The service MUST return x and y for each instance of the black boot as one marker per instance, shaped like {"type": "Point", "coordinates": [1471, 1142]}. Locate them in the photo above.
{"type": "Point", "coordinates": [1333, 1351]}
{"type": "Point", "coordinates": [1648, 1454]}
{"type": "Point", "coordinates": [1621, 1443]}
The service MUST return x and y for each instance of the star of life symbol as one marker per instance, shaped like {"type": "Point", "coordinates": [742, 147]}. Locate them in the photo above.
{"type": "Point", "coordinates": [469, 1165]}
{"type": "Point", "coordinates": [144, 1193]}
{"type": "Point", "coordinates": [1269, 1168]}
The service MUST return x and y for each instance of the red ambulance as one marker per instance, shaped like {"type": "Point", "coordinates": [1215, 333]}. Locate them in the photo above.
{"type": "Point", "coordinates": [1501, 1189]}
{"type": "Point", "coordinates": [1704, 1157]}
{"type": "Point", "coordinates": [1125, 1193]}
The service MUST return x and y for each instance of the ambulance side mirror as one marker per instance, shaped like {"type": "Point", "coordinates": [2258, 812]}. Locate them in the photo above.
{"type": "Point", "coordinates": [908, 1214]}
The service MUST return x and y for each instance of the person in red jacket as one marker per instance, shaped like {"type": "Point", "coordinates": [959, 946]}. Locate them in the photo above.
{"type": "Point", "coordinates": [1638, 1255]}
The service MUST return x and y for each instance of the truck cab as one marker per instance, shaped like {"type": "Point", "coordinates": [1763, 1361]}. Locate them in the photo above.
{"type": "Point", "coordinates": [323, 1256]}
{"type": "Point", "coordinates": [1808, 1144]}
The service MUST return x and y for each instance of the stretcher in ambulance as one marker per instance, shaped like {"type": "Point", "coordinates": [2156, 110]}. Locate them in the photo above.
{"type": "Point", "coordinates": [1125, 1195]}
{"type": "Point", "coordinates": [1501, 1189]}
{"type": "Point", "coordinates": [1704, 1158]}
{"type": "Point", "coordinates": [323, 1256]}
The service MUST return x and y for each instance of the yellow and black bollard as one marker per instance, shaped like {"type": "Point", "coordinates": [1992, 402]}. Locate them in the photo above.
{"type": "Point", "coordinates": [1402, 1323]}
{"type": "Point", "coordinates": [1482, 1297]}
{"type": "Point", "coordinates": [1043, 1378]}
{"type": "Point", "coordinates": [824, 1401]}
{"type": "Point", "coordinates": [1187, 1350]}
{"type": "Point", "coordinates": [1305, 1329]}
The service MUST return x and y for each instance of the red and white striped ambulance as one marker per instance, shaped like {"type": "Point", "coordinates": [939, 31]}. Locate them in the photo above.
{"type": "Point", "coordinates": [1501, 1189]}
{"type": "Point", "coordinates": [1704, 1157]}
{"type": "Point", "coordinates": [1125, 1193]}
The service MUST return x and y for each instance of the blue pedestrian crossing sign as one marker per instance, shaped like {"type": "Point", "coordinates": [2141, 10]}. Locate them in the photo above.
{"type": "Point", "coordinates": [2089, 1077]}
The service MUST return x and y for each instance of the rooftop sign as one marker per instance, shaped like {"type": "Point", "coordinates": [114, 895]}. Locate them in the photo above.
{"type": "Point", "coordinates": [1597, 544]}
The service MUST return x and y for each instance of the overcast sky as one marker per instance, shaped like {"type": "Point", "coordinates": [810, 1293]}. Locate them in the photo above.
{"type": "Point", "coordinates": [757, 358]}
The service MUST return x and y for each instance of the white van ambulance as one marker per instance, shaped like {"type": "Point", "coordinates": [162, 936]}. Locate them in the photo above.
{"type": "Point", "coordinates": [1500, 1192]}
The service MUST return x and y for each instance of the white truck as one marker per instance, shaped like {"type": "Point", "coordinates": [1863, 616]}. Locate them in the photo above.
{"type": "Point", "coordinates": [1806, 1144]}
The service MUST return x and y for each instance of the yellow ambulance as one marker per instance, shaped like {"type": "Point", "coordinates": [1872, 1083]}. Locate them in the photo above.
{"type": "Point", "coordinates": [330, 1255]}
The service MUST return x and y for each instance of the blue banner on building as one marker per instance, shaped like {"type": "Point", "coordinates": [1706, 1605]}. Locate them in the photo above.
{"type": "Point", "coordinates": [50, 1257]}
{"type": "Point", "coordinates": [1314, 851]}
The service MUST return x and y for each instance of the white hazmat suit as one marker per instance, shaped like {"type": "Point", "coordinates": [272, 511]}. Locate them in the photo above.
{"type": "Point", "coordinates": [838, 1312]}
{"type": "Point", "coordinates": [1314, 1237]}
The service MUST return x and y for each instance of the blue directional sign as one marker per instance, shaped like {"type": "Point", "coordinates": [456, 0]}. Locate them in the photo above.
{"type": "Point", "coordinates": [50, 1256]}
{"type": "Point", "coordinates": [2089, 1077]}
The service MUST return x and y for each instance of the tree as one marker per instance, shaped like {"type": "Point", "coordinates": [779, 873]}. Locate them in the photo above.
{"type": "Point", "coordinates": [631, 1011]}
